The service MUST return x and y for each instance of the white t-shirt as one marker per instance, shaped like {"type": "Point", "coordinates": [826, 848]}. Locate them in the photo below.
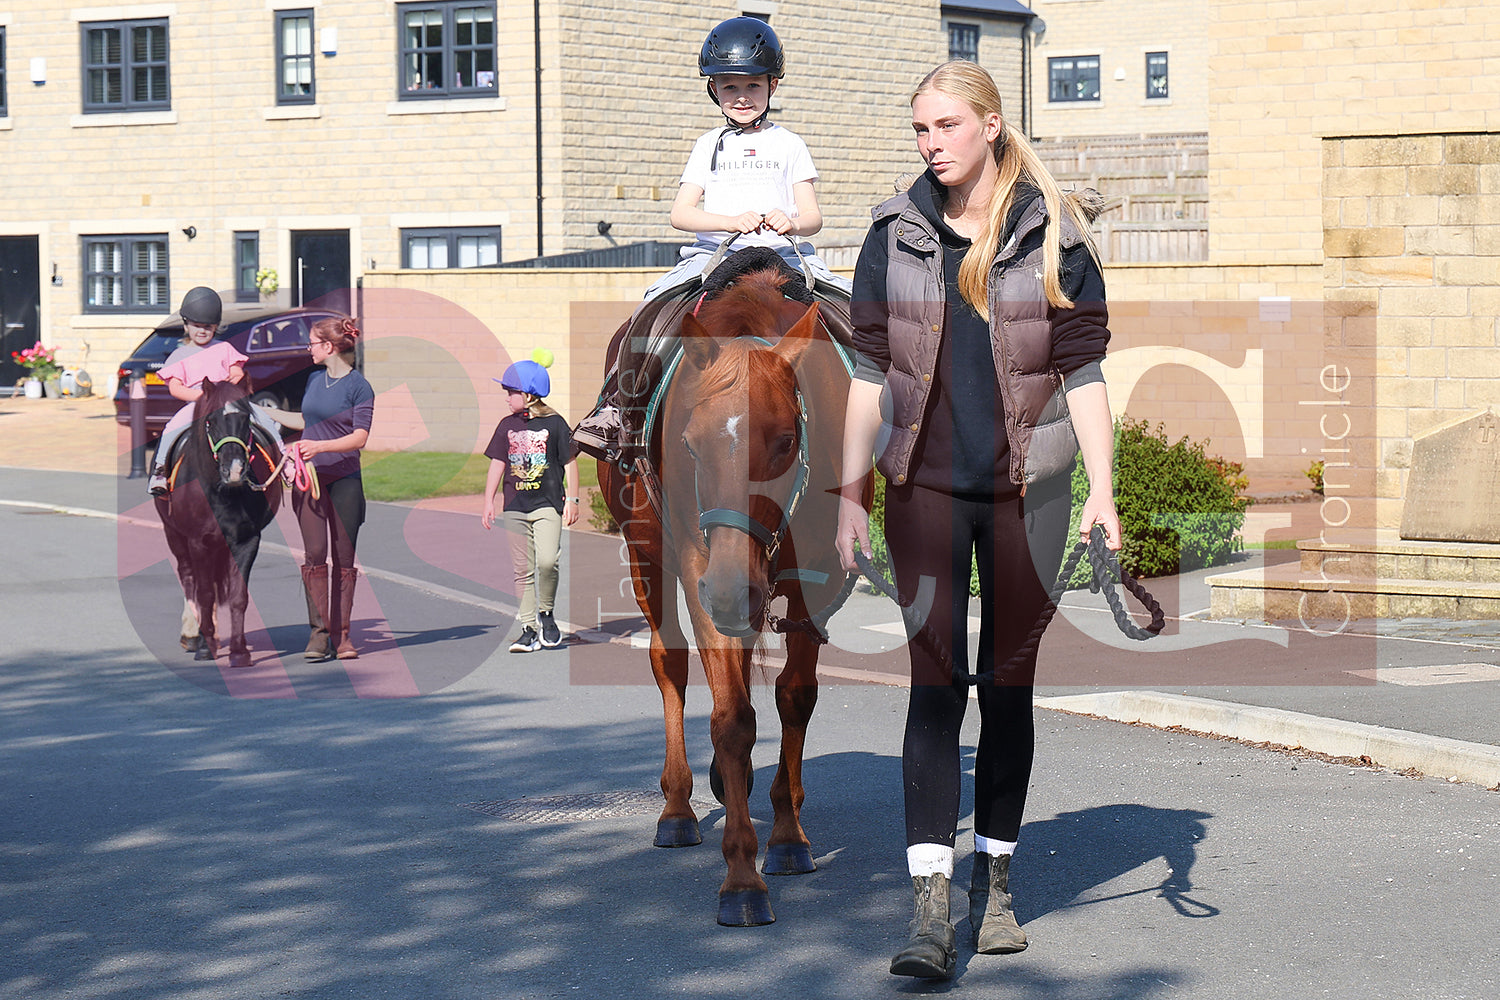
{"type": "Point", "coordinates": [756, 172]}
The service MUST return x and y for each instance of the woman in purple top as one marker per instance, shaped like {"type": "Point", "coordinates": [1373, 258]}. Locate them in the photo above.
{"type": "Point", "coordinates": [337, 408]}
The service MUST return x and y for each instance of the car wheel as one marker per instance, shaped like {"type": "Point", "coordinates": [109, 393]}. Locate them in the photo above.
{"type": "Point", "coordinates": [266, 397]}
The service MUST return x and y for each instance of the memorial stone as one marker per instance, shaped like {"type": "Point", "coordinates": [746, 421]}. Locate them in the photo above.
{"type": "Point", "coordinates": [1453, 489]}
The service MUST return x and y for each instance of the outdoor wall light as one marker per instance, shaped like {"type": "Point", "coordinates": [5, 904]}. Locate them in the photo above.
{"type": "Point", "coordinates": [190, 232]}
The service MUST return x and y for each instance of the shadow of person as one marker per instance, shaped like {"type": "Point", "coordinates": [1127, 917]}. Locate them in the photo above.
{"type": "Point", "coordinates": [1065, 857]}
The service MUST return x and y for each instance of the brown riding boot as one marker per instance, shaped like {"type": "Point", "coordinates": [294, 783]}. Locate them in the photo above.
{"type": "Point", "coordinates": [991, 918]}
{"type": "Point", "coordinates": [315, 589]}
{"type": "Point", "coordinates": [342, 606]}
{"type": "Point", "coordinates": [931, 953]}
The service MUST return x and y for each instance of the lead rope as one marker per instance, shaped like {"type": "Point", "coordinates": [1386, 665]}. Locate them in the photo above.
{"type": "Point", "coordinates": [298, 476]}
{"type": "Point", "coordinates": [1104, 570]}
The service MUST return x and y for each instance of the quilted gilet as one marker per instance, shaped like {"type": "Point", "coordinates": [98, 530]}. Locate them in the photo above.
{"type": "Point", "coordinates": [1020, 336]}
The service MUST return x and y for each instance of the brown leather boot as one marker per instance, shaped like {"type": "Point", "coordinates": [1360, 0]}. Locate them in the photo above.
{"type": "Point", "coordinates": [315, 589]}
{"type": "Point", "coordinates": [991, 918]}
{"type": "Point", "coordinates": [342, 606]}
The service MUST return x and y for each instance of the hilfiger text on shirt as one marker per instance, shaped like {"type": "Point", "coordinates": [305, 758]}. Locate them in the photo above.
{"type": "Point", "coordinates": [756, 164]}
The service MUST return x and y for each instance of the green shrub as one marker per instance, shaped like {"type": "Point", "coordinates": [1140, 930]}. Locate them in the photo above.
{"type": "Point", "coordinates": [1179, 508]}
{"type": "Point", "coordinates": [880, 555]}
{"type": "Point", "coordinates": [1314, 475]}
{"type": "Point", "coordinates": [600, 519]}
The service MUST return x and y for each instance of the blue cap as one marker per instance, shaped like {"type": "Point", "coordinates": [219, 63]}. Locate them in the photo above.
{"type": "Point", "coordinates": [527, 376]}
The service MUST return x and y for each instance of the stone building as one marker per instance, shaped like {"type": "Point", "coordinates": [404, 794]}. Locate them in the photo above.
{"type": "Point", "coordinates": [149, 147]}
{"type": "Point", "coordinates": [1109, 68]}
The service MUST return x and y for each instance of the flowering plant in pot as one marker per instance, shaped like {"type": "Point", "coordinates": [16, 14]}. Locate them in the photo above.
{"type": "Point", "coordinates": [40, 362]}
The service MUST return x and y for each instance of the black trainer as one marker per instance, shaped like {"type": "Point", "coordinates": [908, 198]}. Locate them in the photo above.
{"type": "Point", "coordinates": [526, 642]}
{"type": "Point", "coordinates": [551, 635]}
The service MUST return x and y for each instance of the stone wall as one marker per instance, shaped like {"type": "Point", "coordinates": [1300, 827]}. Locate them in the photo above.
{"type": "Point", "coordinates": [1412, 240]}
{"type": "Point", "coordinates": [1287, 75]}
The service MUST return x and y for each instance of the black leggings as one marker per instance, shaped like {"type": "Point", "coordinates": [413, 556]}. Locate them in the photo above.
{"type": "Point", "coordinates": [1019, 544]}
{"type": "Point", "coordinates": [331, 522]}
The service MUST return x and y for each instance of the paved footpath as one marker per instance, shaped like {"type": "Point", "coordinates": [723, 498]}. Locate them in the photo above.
{"type": "Point", "coordinates": [490, 837]}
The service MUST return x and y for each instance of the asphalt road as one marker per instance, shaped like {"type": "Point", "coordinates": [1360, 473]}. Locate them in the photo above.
{"type": "Point", "coordinates": [442, 820]}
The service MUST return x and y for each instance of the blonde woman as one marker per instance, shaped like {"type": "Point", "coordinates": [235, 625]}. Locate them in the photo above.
{"type": "Point", "coordinates": [979, 309]}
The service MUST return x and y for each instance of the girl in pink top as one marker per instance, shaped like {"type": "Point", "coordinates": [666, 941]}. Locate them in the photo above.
{"type": "Point", "coordinates": [200, 359]}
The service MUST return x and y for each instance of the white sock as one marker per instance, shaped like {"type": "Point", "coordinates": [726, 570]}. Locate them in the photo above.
{"type": "Point", "coordinates": [994, 848]}
{"type": "Point", "coordinates": [929, 859]}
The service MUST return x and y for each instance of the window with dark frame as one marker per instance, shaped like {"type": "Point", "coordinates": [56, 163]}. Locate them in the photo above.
{"type": "Point", "coordinates": [4, 108]}
{"type": "Point", "coordinates": [757, 15]}
{"type": "Point", "coordinates": [1073, 78]}
{"type": "Point", "coordinates": [125, 274]}
{"type": "Point", "coordinates": [447, 49]}
{"type": "Point", "coordinates": [963, 41]}
{"type": "Point", "coordinates": [246, 264]}
{"type": "Point", "coordinates": [294, 57]}
{"type": "Point", "coordinates": [1156, 75]}
{"type": "Point", "coordinates": [438, 249]}
{"type": "Point", "coordinates": [125, 66]}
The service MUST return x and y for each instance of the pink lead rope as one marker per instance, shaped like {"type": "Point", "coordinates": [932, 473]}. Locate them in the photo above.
{"type": "Point", "coordinates": [302, 477]}
{"type": "Point", "coordinates": [293, 468]}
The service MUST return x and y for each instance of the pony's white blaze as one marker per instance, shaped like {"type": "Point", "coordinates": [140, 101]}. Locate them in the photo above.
{"type": "Point", "coordinates": [732, 431]}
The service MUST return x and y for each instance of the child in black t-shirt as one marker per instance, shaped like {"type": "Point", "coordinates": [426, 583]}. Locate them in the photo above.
{"type": "Point", "coordinates": [531, 454]}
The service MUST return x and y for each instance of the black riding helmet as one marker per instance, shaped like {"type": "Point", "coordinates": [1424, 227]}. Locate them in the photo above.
{"type": "Point", "coordinates": [740, 46]}
{"type": "Point", "coordinates": [202, 305]}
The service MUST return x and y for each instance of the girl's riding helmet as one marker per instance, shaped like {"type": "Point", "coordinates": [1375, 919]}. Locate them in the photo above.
{"type": "Point", "coordinates": [741, 46]}
{"type": "Point", "coordinates": [202, 305]}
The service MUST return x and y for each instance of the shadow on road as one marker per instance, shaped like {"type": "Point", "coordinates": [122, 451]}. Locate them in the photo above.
{"type": "Point", "coordinates": [162, 841]}
{"type": "Point", "coordinates": [1075, 853]}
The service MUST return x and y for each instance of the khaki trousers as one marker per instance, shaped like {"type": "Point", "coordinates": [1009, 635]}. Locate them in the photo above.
{"type": "Point", "coordinates": [535, 545]}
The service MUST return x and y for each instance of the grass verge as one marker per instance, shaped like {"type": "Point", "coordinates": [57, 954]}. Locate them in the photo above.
{"type": "Point", "coordinates": [416, 475]}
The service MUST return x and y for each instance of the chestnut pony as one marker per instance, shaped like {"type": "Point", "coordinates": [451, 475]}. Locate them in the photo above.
{"type": "Point", "coordinates": [747, 439]}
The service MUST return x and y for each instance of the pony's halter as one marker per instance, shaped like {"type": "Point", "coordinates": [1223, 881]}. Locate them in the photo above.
{"type": "Point", "coordinates": [215, 445]}
{"type": "Point", "coordinates": [723, 517]}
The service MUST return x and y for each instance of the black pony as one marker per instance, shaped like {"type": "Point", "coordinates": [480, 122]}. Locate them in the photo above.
{"type": "Point", "coordinates": [214, 514]}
